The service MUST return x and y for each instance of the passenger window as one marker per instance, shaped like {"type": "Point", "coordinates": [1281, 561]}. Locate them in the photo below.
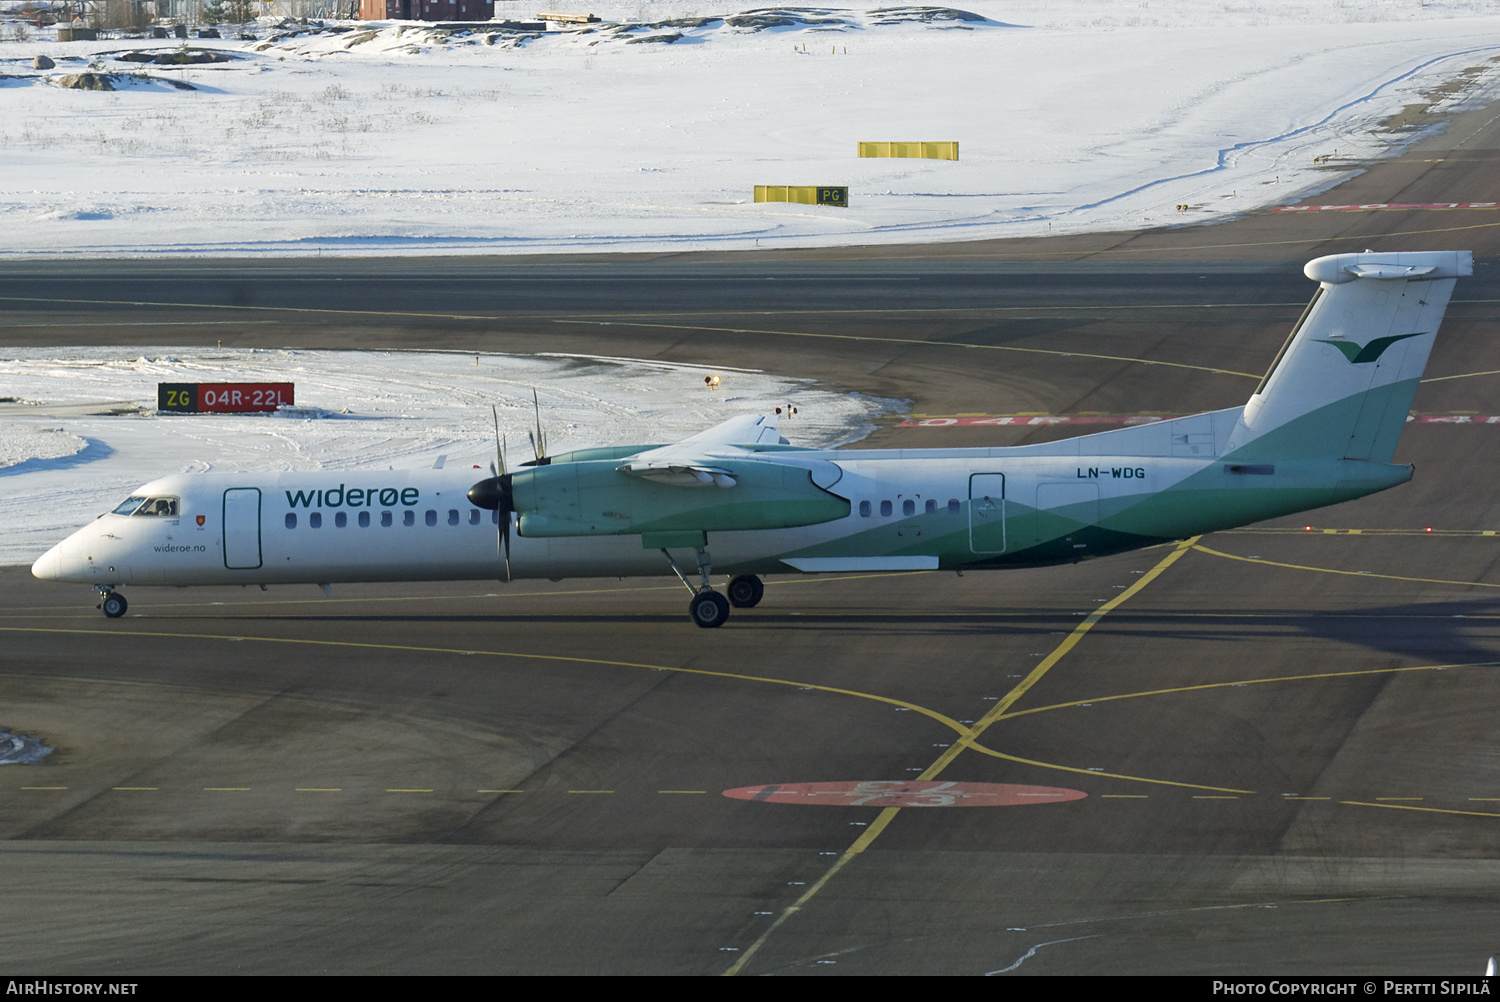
{"type": "Point", "coordinates": [885, 509]}
{"type": "Point", "coordinates": [931, 506]}
{"type": "Point", "coordinates": [908, 507]}
{"type": "Point", "coordinates": [340, 519]}
{"type": "Point", "coordinates": [864, 509]}
{"type": "Point", "coordinates": [409, 517]}
{"type": "Point", "coordinates": [452, 516]}
{"type": "Point", "coordinates": [473, 516]}
{"type": "Point", "coordinates": [385, 519]}
{"type": "Point", "coordinates": [315, 520]}
{"type": "Point", "coordinates": [953, 506]}
{"type": "Point", "coordinates": [431, 517]}
{"type": "Point", "coordinates": [364, 520]}
{"type": "Point", "coordinates": [291, 520]}
{"type": "Point", "coordinates": [495, 517]}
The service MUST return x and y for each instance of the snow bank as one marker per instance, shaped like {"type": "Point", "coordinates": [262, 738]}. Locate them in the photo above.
{"type": "Point", "coordinates": [651, 133]}
{"type": "Point", "coordinates": [20, 443]}
{"type": "Point", "coordinates": [86, 431]}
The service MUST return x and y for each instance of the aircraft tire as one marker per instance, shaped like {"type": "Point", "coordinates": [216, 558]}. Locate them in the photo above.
{"type": "Point", "coordinates": [709, 609]}
{"type": "Point", "coordinates": [114, 605]}
{"type": "Point", "coordinates": [745, 591]}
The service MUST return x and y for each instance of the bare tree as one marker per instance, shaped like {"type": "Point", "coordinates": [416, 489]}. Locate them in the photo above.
{"type": "Point", "coordinates": [118, 14]}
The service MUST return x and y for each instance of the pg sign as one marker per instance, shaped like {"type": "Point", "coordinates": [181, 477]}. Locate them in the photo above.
{"type": "Point", "coordinates": [221, 398]}
{"type": "Point", "coordinates": [804, 194]}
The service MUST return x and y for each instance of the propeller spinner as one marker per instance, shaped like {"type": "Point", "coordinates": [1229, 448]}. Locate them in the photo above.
{"type": "Point", "coordinates": [493, 495]}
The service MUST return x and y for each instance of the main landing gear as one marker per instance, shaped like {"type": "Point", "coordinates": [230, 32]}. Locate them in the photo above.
{"type": "Point", "coordinates": [111, 601]}
{"type": "Point", "coordinates": [708, 608]}
{"type": "Point", "coordinates": [745, 591]}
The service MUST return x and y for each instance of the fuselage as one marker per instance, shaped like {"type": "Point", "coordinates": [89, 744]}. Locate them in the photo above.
{"type": "Point", "coordinates": [906, 510]}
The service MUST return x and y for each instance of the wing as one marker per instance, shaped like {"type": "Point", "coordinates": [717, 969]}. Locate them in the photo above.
{"type": "Point", "coordinates": [699, 460]}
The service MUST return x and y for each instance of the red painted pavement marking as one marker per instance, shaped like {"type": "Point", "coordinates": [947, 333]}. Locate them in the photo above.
{"type": "Point", "coordinates": [1453, 418]}
{"type": "Point", "coordinates": [1386, 205]}
{"type": "Point", "coordinates": [1022, 420]}
{"type": "Point", "coordinates": [902, 793]}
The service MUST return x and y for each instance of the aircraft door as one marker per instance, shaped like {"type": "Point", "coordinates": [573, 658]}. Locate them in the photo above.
{"type": "Point", "coordinates": [987, 512]}
{"type": "Point", "coordinates": [1063, 508]}
{"type": "Point", "coordinates": [242, 528]}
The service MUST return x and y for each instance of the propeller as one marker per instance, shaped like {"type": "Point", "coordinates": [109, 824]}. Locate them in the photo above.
{"type": "Point", "coordinates": [538, 439]}
{"type": "Point", "coordinates": [499, 444]}
{"type": "Point", "coordinates": [495, 495]}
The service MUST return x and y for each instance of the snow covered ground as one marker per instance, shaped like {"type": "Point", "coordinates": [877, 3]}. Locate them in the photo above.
{"type": "Point", "coordinates": [651, 133]}
{"type": "Point", "coordinates": [84, 431]}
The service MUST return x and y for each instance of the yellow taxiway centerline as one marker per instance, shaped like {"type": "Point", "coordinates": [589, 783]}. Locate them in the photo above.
{"type": "Point", "coordinates": [966, 740]}
{"type": "Point", "coordinates": [1354, 574]}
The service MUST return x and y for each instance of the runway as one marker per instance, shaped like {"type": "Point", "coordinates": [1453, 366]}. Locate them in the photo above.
{"type": "Point", "coordinates": [1285, 733]}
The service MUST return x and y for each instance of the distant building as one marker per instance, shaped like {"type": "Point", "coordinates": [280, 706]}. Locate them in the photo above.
{"type": "Point", "coordinates": [426, 10]}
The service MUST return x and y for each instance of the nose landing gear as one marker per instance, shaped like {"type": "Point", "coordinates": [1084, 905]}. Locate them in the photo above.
{"type": "Point", "coordinates": [111, 601]}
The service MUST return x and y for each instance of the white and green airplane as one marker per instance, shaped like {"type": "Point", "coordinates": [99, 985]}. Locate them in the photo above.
{"type": "Point", "coordinates": [1320, 428]}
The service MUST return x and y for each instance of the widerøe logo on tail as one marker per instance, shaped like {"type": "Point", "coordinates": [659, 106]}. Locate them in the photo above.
{"type": "Point", "coordinates": [1369, 352]}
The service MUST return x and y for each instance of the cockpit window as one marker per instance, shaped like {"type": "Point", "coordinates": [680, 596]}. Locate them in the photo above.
{"type": "Point", "coordinates": [165, 507]}
{"type": "Point", "coordinates": [161, 507]}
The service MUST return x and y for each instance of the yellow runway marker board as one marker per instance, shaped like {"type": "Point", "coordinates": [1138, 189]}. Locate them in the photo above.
{"type": "Point", "coordinates": [804, 194]}
{"type": "Point", "coordinates": [922, 151]}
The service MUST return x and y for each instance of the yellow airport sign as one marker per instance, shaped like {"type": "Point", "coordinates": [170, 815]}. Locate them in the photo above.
{"type": "Point", "coordinates": [806, 194]}
{"type": "Point", "coordinates": [925, 151]}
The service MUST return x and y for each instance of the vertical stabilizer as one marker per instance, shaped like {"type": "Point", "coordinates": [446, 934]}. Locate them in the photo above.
{"type": "Point", "coordinates": [1343, 383]}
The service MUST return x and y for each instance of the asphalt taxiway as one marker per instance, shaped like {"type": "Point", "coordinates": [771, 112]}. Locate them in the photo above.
{"type": "Point", "coordinates": [1285, 733]}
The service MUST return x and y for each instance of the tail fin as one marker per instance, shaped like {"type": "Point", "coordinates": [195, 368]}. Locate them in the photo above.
{"type": "Point", "coordinates": [1344, 381]}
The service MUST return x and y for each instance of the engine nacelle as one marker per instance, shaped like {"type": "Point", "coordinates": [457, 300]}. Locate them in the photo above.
{"type": "Point", "coordinates": [598, 499]}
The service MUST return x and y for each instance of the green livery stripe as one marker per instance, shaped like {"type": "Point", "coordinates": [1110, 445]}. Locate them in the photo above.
{"type": "Point", "coordinates": [1210, 499]}
{"type": "Point", "coordinates": [1363, 426]}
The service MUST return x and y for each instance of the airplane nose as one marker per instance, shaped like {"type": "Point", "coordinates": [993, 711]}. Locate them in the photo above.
{"type": "Point", "coordinates": [64, 562]}
{"type": "Point", "coordinates": [48, 566]}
